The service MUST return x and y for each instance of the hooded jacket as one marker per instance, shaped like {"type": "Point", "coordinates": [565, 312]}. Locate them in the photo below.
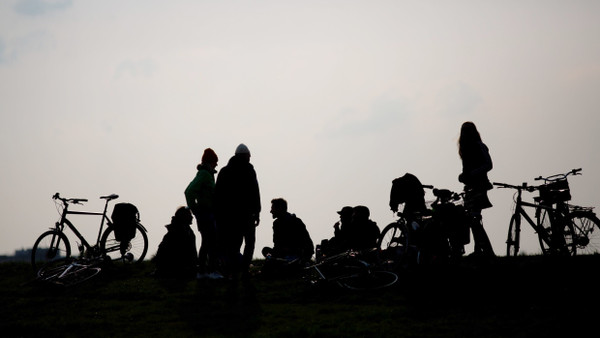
{"type": "Point", "coordinates": [200, 193]}
{"type": "Point", "coordinates": [236, 192]}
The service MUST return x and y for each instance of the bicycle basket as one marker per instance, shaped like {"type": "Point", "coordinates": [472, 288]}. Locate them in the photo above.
{"type": "Point", "coordinates": [553, 192]}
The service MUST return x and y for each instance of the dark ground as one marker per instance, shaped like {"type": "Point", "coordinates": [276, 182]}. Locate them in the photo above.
{"type": "Point", "coordinates": [529, 296]}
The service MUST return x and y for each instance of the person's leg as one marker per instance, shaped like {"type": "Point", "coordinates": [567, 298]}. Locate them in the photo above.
{"type": "Point", "coordinates": [209, 240]}
{"type": "Point", "coordinates": [482, 242]}
{"type": "Point", "coordinates": [249, 243]}
{"type": "Point", "coordinates": [203, 251]}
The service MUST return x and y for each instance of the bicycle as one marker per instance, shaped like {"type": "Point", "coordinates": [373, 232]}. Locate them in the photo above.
{"type": "Point", "coordinates": [54, 244]}
{"type": "Point", "coordinates": [555, 192]}
{"type": "Point", "coordinates": [350, 270]}
{"type": "Point", "coordinates": [556, 236]}
{"type": "Point", "coordinates": [68, 271]}
{"type": "Point", "coordinates": [436, 235]}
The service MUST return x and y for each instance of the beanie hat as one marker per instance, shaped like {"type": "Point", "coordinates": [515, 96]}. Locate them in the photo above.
{"type": "Point", "coordinates": [242, 149]}
{"type": "Point", "coordinates": [209, 156]}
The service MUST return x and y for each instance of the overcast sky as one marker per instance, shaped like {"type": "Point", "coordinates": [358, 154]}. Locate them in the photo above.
{"type": "Point", "coordinates": [334, 99]}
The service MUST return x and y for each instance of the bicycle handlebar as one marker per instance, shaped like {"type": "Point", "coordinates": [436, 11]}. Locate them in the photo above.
{"type": "Point", "coordinates": [443, 195]}
{"type": "Point", "coordinates": [69, 200]}
{"type": "Point", "coordinates": [523, 186]}
{"type": "Point", "coordinates": [556, 177]}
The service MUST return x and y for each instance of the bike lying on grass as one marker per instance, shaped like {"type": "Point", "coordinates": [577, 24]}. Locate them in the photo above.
{"type": "Point", "coordinates": [350, 270]}
{"type": "Point", "coordinates": [54, 244]}
{"type": "Point", "coordinates": [67, 272]}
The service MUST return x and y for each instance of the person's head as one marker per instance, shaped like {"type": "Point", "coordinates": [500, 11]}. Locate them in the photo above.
{"type": "Point", "coordinates": [243, 152]}
{"type": "Point", "coordinates": [361, 213]}
{"type": "Point", "coordinates": [346, 214]}
{"type": "Point", "coordinates": [183, 215]}
{"type": "Point", "coordinates": [469, 135]}
{"type": "Point", "coordinates": [278, 207]}
{"type": "Point", "coordinates": [210, 158]}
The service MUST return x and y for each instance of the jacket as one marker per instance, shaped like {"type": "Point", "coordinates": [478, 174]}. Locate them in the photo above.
{"type": "Point", "coordinates": [236, 192]}
{"type": "Point", "coordinates": [475, 168]}
{"type": "Point", "coordinates": [290, 237]}
{"type": "Point", "coordinates": [200, 193]}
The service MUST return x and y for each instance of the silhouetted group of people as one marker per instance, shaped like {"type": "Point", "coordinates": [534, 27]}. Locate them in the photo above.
{"type": "Point", "coordinates": [354, 231]}
{"type": "Point", "coordinates": [227, 213]}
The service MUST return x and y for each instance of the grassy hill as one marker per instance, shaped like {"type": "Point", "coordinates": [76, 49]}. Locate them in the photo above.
{"type": "Point", "coordinates": [513, 297]}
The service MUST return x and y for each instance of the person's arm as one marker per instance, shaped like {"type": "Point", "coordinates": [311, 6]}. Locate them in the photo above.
{"type": "Point", "coordinates": [191, 192]}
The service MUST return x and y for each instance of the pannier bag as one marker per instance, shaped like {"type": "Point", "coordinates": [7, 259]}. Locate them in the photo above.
{"type": "Point", "coordinates": [125, 217]}
{"type": "Point", "coordinates": [557, 191]}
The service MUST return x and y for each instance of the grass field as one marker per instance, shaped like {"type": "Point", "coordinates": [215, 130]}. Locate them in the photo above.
{"type": "Point", "coordinates": [517, 297]}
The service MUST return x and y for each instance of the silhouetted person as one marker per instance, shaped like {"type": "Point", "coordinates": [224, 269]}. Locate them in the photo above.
{"type": "Point", "coordinates": [363, 232]}
{"type": "Point", "coordinates": [408, 190]}
{"type": "Point", "coordinates": [200, 196]}
{"type": "Point", "coordinates": [238, 209]}
{"type": "Point", "coordinates": [176, 255]}
{"type": "Point", "coordinates": [476, 162]}
{"type": "Point", "coordinates": [340, 228]}
{"type": "Point", "coordinates": [291, 240]}
{"type": "Point", "coordinates": [338, 242]}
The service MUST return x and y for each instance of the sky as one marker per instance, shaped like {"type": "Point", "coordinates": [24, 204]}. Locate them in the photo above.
{"type": "Point", "coordinates": [334, 99]}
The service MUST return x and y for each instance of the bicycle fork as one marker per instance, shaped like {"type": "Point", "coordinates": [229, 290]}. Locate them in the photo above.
{"type": "Point", "coordinates": [55, 242]}
{"type": "Point", "coordinates": [515, 241]}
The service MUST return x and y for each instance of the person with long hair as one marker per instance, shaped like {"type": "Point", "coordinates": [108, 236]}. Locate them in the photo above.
{"type": "Point", "coordinates": [476, 163]}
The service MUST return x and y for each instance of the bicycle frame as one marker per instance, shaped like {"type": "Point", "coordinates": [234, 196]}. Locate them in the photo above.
{"type": "Point", "coordinates": [84, 243]}
{"type": "Point", "coordinates": [520, 211]}
{"type": "Point", "coordinates": [332, 260]}
{"type": "Point", "coordinates": [551, 238]}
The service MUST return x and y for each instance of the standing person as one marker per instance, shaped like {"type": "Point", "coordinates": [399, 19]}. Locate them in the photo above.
{"type": "Point", "coordinates": [238, 209]}
{"type": "Point", "coordinates": [476, 162]}
{"type": "Point", "coordinates": [200, 195]}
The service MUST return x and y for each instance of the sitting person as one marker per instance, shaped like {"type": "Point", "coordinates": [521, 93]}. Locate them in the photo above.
{"type": "Point", "coordinates": [362, 233]}
{"type": "Point", "coordinates": [176, 255]}
{"type": "Point", "coordinates": [336, 244]}
{"type": "Point", "coordinates": [291, 240]}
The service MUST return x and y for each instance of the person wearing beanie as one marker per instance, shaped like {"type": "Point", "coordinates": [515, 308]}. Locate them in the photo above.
{"type": "Point", "coordinates": [200, 195]}
{"type": "Point", "coordinates": [242, 149]}
{"type": "Point", "coordinates": [237, 198]}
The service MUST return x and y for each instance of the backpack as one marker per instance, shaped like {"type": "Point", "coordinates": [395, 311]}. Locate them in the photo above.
{"type": "Point", "coordinates": [409, 190]}
{"type": "Point", "coordinates": [125, 217]}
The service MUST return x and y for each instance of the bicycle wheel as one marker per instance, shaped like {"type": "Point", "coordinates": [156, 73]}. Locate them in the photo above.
{"type": "Point", "coordinates": [394, 245]}
{"type": "Point", "coordinates": [552, 243]}
{"type": "Point", "coordinates": [514, 236]}
{"type": "Point", "coordinates": [393, 236]}
{"type": "Point", "coordinates": [587, 232]}
{"type": "Point", "coordinates": [369, 280]}
{"type": "Point", "coordinates": [133, 251]}
{"type": "Point", "coordinates": [50, 246]}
